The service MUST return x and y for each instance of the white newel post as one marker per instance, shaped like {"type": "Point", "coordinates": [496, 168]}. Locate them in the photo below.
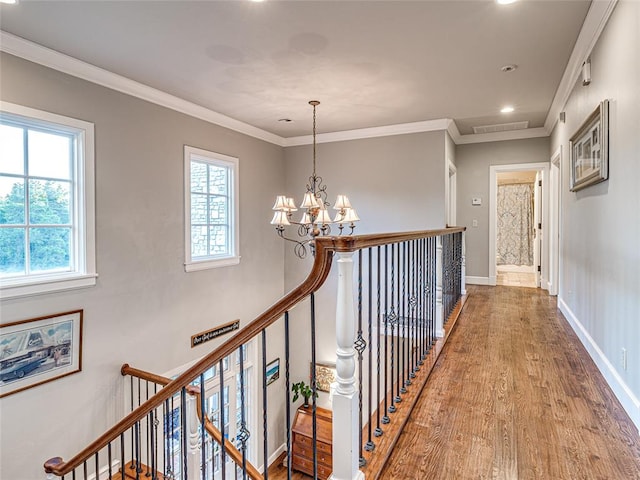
{"type": "Point", "coordinates": [439, 277]}
{"type": "Point", "coordinates": [193, 454]}
{"type": "Point", "coordinates": [463, 267]}
{"type": "Point", "coordinates": [345, 398]}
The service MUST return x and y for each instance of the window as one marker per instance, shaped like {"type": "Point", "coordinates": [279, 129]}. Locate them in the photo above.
{"type": "Point", "coordinates": [47, 239]}
{"type": "Point", "coordinates": [211, 209]}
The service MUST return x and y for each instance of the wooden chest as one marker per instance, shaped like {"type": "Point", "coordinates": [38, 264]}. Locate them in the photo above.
{"type": "Point", "coordinates": [302, 441]}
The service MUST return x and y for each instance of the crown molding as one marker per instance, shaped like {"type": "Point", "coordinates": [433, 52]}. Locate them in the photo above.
{"type": "Point", "coordinates": [370, 132]}
{"type": "Point", "coordinates": [594, 23]}
{"type": "Point", "coordinates": [63, 63]}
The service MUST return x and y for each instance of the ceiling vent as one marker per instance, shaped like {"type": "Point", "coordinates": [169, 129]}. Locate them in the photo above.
{"type": "Point", "coordinates": [501, 127]}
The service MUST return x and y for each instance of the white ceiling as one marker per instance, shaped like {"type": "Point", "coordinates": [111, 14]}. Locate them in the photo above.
{"type": "Point", "coordinates": [370, 63]}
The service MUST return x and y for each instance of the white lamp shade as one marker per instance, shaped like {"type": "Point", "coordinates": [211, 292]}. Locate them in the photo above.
{"type": "Point", "coordinates": [280, 218]}
{"type": "Point", "coordinates": [291, 206]}
{"type": "Point", "coordinates": [323, 217]}
{"type": "Point", "coordinates": [342, 202]}
{"type": "Point", "coordinates": [306, 219]}
{"type": "Point", "coordinates": [309, 201]}
{"type": "Point", "coordinates": [281, 203]}
{"type": "Point", "coordinates": [350, 215]}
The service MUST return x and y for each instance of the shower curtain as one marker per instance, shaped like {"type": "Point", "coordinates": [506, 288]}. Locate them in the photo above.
{"type": "Point", "coordinates": [515, 224]}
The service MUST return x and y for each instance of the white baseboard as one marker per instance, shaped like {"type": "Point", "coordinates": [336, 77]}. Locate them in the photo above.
{"type": "Point", "coordinates": [627, 398]}
{"type": "Point", "coordinates": [476, 280]}
{"type": "Point", "coordinates": [274, 456]}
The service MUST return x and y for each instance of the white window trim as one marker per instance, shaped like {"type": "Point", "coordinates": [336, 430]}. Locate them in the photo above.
{"type": "Point", "coordinates": [84, 211]}
{"type": "Point", "coordinates": [191, 265]}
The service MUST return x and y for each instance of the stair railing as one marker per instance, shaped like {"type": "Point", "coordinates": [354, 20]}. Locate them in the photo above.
{"type": "Point", "coordinates": [426, 283]}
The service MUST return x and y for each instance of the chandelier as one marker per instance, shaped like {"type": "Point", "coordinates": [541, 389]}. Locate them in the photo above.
{"type": "Point", "coordinates": [315, 220]}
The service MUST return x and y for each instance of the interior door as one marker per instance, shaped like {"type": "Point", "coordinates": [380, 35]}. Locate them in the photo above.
{"type": "Point", "coordinates": [537, 223]}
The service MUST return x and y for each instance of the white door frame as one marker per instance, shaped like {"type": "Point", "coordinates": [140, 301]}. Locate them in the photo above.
{"type": "Point", "coordinates": [555, 183]}
{"type": "Point", "coordinates": [450, 188]}
{"type": "Point", "coordinates": [493, 215]}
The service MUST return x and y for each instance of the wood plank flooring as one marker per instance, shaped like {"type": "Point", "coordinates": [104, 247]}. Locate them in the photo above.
{"type": "Point", "coordinates": [514, 395]}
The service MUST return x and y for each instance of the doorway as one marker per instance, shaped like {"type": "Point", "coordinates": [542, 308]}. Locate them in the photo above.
{"type": "Point", "coordinates": [450, 194]}
{"type": "Point", "coordinates": [517, 243]}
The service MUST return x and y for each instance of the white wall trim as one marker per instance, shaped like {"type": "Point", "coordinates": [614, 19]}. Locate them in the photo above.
{"type": "Point", "coordinates": [470, 280]}
{"type": "Point", "coordinates": [594, 23]}
{"type": "Point", "coordinates": [274, 456]}
{"type": "Point", "coordinates": [371, 132]}
{"type": "Point", "coordinates": [493, 201]}
{"type": "Point", "coordinates": [621, 390]}
{"type": "Point", "coordinates": [63, 63]}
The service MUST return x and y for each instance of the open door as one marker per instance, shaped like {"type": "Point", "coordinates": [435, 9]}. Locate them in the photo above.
{"type": "Point", "coordinates": [537, 223]}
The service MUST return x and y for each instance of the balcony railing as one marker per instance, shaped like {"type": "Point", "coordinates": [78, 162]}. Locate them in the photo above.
{"type": "Point", "coordinates": [390, 321]}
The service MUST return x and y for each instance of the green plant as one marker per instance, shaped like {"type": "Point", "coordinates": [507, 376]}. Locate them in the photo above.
{"type": "Point", "coordinates": [304, 390]}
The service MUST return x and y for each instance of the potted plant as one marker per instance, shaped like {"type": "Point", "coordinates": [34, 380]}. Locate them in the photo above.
{"type": "Point", "coordinates": [304, 390]}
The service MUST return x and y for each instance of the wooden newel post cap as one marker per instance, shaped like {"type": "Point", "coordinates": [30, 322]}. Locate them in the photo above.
{"type": "Point", "coordinates": [52, 463]}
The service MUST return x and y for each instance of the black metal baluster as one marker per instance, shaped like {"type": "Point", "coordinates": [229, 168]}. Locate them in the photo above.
{"type": "Point", "coordinates": [264, 406]}
{"type": "Point", "coordinates": [369, 446]}
{"type": "Point", "coordinates": [203, 432]}
{"type": "Point", "coordinates": [244, 434]}
{"type": "Point", "coordinates": [421, 296]}
{"type": "Point", "coordinates": [385, 418]}
{"type": "Point", "coordinates": [223, 450]}
{"type": "Point", "coordinates": [378, 431]}
{"type": "Point", "coordinates": [414, 308]}
{"type": "Point", "coordinates": [314, 423]}
{"type": "Point", "coordinates": [165, 443]}
{"type": "Point", "coordinates": [122, 455]}
{"type": "Point", "coordinates": [148, 474]}
{"type": "Point", "coordinates": [109, 460]}
{"type": "Point", "coordinates": [97, 474]}
{"type": "Point", "coordinates": [154, 458]}
{"type": "Point", "coordinates": [133, 464]}
{"type": "Point", "coordinates": [183, 431]}
{"type": "Point", "coordinates": [405, 320]}
{"type": "Point", "coordinates": [392, 320]}
{"type": "Point", "coordinates": [399, 357]}
{"type": "Point", "coordinates": [136, 430]}
{"type": "Point", "coordinates": [287, 387]}
{"type": "Point", "coordinates": [84, 469]}
{"type": "Point", "coordinates": [139, 436]}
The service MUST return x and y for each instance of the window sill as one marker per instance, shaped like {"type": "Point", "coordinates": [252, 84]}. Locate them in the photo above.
{"type": "Point", "coordinates": [26, 288]}
{"type": "Point", "coordinates": [207, 264]}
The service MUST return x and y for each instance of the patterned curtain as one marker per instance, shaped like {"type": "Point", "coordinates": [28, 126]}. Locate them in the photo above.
{"type": "Point", "coordinates": [515, 224]}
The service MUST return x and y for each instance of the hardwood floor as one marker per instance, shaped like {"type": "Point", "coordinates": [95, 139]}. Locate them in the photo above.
{"type": "Point", "coordinates": [514, 395]}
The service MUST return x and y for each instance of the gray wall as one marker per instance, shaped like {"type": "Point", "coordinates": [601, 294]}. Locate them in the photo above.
{"type": "Point", "coordinates": [396, 183]}
{"type": "Point", "coordinates": [600, 225]}
{"type": "Point", "coordinates": [473, 162]}
{"type": "Point", "coordinates": [144, 307]}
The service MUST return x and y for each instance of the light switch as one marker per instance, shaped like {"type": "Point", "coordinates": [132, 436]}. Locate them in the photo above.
{"type": "Point", "coordinates": [474, 223]}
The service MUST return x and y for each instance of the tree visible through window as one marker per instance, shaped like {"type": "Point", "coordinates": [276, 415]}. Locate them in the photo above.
{"type": "Point", "coordinates": [46, 202]}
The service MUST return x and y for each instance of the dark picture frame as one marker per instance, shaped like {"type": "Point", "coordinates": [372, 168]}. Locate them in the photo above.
{"type": "Point", "coordinates": [273, 371]}
{"type": "Point", "coordinates": [39, 350]}
{"type": "Point", "coordinates": [589, 149]}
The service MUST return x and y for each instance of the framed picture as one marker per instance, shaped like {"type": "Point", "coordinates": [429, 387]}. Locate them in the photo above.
{"type": "Point", "coordinates": [325, 376]}
{"type": "Point", "coordinates": [589, 148]}
{"type": "Point", "coordinates": [273, 371]}
{"type": "Point", "coordinates": [39, 350]}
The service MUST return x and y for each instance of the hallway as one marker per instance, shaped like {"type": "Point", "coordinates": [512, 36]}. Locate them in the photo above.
{"type": "Point", "coordinates": [515, 396]}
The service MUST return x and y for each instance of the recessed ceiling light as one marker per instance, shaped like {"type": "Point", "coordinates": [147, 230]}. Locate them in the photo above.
{"type": "Point", "coordinates": [509, 68]}
{"type": "Point", "coordinates": [506, 2]}
{"type": "Point", "coordinates": [507, 109]}
{"type": "Point", "coordinates": [285, 120]}
{"type": "Point", "coordinates": [9, 2]}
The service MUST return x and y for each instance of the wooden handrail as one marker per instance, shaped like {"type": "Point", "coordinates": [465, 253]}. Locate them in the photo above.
{"type": "Point", "coordinates": [325, 247]}
{"type": "Point", "coordinates": [214, 432]}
